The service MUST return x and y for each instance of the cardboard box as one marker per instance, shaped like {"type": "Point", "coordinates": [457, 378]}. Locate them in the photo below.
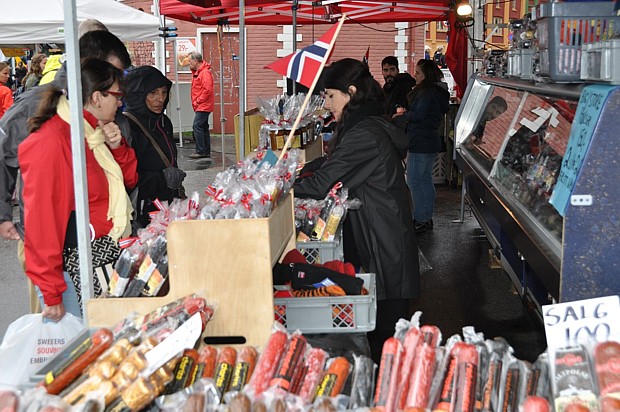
{"type": "Point", "coordinates": [253, 121]}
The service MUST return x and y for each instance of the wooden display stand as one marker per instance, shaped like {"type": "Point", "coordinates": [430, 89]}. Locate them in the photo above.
{"type": "Point", "coordinates": [312, 150]}
{"type": "Point", "coordinates": [230, 262]}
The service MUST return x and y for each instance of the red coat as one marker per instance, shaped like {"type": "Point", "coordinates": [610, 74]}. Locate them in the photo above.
{"type": "Point", "coordinates": [203, 98]}
{"type": "Point", "coordinates": [6, 99]}
{"type": "Point", "coordinates": [46, 164]}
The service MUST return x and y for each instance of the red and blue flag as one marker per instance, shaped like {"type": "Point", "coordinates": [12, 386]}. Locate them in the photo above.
{"type": "Point", "coordinates": [303, 65]}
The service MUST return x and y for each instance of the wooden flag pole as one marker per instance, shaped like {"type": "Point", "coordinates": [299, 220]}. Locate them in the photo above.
{"type": "Point", "coordinates": [289, 140]}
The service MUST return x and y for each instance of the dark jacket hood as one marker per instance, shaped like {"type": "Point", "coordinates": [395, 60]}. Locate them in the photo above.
{"type": "Point", "coordinates": [139, 82]}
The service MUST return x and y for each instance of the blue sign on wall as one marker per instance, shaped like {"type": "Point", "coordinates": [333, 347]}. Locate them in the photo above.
{"type": "Point", "coordinates": [590, 106]}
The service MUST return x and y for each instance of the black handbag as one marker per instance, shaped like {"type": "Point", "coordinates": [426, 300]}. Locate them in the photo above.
{"type": "Point", "coordinates": [105, 253]}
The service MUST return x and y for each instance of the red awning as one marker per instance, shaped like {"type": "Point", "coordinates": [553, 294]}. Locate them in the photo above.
{"type": "Point", "coordinates": [269, 12]}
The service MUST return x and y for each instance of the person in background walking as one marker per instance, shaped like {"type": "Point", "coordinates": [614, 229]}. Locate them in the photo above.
{"type": "Point", "coordinates": [203, 101]}
{"type": "Point", "coordinates": [20, 72]}
{"type": "Point", "coordinates": [427, 52]}
{"type": "Point", "coordinates": [428, 102]}
{"type": "Point", "coordinates": [37, 64]}
{"type": "Point", "coordinates": [440, 58]}
{"type": "Point", "coordinates": [6, 94]}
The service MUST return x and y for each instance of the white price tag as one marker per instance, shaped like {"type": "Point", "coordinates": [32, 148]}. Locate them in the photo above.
{"type": "Point", "coordinates": [571, 323]}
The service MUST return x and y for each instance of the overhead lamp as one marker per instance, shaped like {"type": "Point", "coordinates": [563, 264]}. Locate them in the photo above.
{"type": "Point", "coordinates": [463, 8]}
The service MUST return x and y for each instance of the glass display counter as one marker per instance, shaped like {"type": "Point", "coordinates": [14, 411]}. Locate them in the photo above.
{"type": "Point", "coordinates": [512, 142]}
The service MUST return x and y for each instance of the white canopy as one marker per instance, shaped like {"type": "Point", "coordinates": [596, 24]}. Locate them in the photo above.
{"type": "Point", "coordinates": [42, 21]}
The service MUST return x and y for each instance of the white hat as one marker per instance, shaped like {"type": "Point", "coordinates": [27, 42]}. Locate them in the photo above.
{"type": "Point", "coordinates": [427, 47]}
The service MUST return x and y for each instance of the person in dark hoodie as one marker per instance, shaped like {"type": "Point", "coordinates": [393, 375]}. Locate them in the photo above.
{"type": "Point", "coordinates": [365, 155]}
{"type": "Point", "coordinates": [428, 102]}
{"type": "Point", "coordinates": [147, 95]}
{"type": "Point", "coordinates": [397, 86]}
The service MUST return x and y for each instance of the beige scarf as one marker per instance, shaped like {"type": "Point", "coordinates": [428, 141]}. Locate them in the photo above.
{"type": "Point", "coordinates": [119, 206]}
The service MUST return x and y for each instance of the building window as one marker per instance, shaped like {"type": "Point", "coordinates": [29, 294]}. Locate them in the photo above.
{"type": "Point", "coordinates": [426, 26]}
{"type": "Point", "coordinates": [498, 4]}
{"type": "Point", "coordinates": [441, 26]}
{"type": "Point", "coordinates": [513, 4]}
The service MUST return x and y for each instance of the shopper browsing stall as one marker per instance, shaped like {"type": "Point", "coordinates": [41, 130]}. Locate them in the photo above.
{"type": "Point", "coordinates": [366, 157]}
{"type": "Point", "coordinates": [148, 92]}
{"type": "Point", "coordinates": [45, 160]}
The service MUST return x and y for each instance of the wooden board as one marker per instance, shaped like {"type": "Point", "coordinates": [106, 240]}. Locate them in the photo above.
{"type": "Point", "coordinates": [228, 261]}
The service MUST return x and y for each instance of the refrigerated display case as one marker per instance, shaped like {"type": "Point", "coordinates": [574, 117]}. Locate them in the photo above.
{"type": "Point", "coordinates": [516, 143]}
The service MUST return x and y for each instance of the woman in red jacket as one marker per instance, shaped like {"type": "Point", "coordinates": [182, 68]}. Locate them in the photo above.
{"type": "Point", "coordinates": [6, 95]}
{"type": "Point", "coordinates": [48, 192]}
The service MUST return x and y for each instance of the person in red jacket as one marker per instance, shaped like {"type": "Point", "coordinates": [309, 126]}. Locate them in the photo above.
{"type": "Point", "coordinates": [202, 103]}
{"type": "Point", "coordinates": [6, 95]}
{"type": "Point", "coordinates": [45, 160]}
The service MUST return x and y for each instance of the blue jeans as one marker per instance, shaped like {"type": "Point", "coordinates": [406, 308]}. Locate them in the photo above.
{"type": "Point", "coordinates": [420, 182]}
{"type": "Point", "coordinates": [69, 298]}
{"type": "Point", "coordinates": [201, 133]}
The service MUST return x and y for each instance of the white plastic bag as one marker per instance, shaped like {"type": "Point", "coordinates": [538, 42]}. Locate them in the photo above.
{"type": "Point", "coordinates": [29, 343]}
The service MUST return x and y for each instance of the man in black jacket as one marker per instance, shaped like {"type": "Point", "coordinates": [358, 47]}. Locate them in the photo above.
{"type": "Point", "coordinates": [397, 85]}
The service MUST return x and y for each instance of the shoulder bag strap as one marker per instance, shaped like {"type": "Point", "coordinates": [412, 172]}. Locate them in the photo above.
{"type": "Point", "coordinates": [151, 138]}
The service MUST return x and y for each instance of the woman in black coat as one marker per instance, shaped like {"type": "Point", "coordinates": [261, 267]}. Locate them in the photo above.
{"type": "Point", "coordinates": [366, 157]}
{"type": "Point", "coordinates": [147, 95]}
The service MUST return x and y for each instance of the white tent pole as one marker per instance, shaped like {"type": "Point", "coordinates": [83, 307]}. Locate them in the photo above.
{"type": "Point", "coordinates": [242, 62]}
{"type": "Point", "coordinates": [294, 6]}
{"type": "Point", "coordinates": [220, 41]}
{"type": "Point", "coordinates": [74, 85]}
{"type": "Point", "coordinates": [176, 89]}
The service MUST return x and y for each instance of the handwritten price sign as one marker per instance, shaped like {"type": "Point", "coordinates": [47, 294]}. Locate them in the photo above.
{"type": "Point", "coordinates": [589, 110]}
{"type": "Point", "coordinates": [571, 323]}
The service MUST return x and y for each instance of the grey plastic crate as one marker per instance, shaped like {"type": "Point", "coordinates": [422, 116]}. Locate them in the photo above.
{"type": "Point", "coordinates": [344, 314]}
{"type": "Point", "coordinates": [562, 29]}
{"type": "Point", "coordinates": [321, 251]}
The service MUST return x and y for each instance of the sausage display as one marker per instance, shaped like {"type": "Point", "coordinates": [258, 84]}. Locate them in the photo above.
{"type": "Point", "coordinates": [291, 361]}
{"type": "Point", "coordinates": [226, 360]}
{"type": "Point", "coordinates": [335, 377]}
{"type": "Point", "coordinates": [85, 354]}
{"type": "Point", "coordinates": [268, 362]}
{"type": "Point", "coordinates": [313, 367]}
{"type": "Point", "coordinates": [390, 358]}
{"type": "Point", "coordinates": [244, 367]}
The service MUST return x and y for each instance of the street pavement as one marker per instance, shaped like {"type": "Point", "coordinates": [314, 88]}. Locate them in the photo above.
{"type": "Point", "coordinates": [200, 173]}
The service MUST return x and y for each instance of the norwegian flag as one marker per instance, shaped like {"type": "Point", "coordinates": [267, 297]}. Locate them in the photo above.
{"type": "Point", "coordinates": [303, 66]}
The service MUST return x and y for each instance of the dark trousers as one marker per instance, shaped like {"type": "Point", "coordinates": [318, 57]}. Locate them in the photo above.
{"type": "Point", "coordinates": [201, 133]}
{"type": "Point", "coordinates": [388, 313]}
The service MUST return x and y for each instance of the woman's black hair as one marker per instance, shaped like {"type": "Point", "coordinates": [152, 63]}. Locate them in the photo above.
{"type": "Point", "coordinates": [344, 73]}
{"type": "Point", "coordinates": [97, 75]}
{"type": "Point", "coordinates": [432, 76]}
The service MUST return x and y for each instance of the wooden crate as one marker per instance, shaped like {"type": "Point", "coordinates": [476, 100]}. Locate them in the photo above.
{"type": "Point", "coordinates": [230, 262]}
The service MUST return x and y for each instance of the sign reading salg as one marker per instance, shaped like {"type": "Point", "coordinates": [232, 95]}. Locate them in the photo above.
{"type": "Point", "coordinates": [571, 323]}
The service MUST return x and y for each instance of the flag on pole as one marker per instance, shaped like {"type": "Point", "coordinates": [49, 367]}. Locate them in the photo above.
{"type": "Point", "coordinates": [303, 65]}
{"type": "Point", "coordinates": [365, 58]}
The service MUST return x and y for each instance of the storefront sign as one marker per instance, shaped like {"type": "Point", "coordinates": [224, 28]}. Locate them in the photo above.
{"type": "Point", "coordinates": [590, 106]}
{"type": "Point", "coordinates": [12, 51]}
{"type": "Point", "coordinates": [185, 46]}
{"type": "Point", "coordinates": [570, 323]}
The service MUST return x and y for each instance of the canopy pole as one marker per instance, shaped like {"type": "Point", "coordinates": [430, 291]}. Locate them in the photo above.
{"type": "Point", "coordinates": [294, 7]}
{"type": "Point", "coordinates": [74, 85]}
{"type": "Point", "coordinates": [242, 62]}
{"type": "Point", "coordinates": [176, 88]}
{"type": "Point", "coordinates": [220, 40]}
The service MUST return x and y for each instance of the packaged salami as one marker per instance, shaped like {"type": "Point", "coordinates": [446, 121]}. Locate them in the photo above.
{"type": "Point", "coordinates": [573, 379]}
{"type": "Point", "coordinates": [363, 382]}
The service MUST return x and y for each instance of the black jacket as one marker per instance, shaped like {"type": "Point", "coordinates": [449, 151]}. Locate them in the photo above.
{"type": "Point", "coordinates": [367, 160]}
{"type": "Point", "coordinates": [151, 183]}
{"type": "Point", "coordinates": [396, 92]}
{"type": "Point", "coordinates": [427, 108]}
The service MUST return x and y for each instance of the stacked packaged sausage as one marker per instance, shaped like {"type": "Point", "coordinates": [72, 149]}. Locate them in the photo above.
{"type": "Point", "coordinates": [149, 363]}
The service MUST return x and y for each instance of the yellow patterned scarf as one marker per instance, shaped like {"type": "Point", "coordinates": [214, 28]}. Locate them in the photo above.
{"type": "Point", "coordinates": [119, 206]}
